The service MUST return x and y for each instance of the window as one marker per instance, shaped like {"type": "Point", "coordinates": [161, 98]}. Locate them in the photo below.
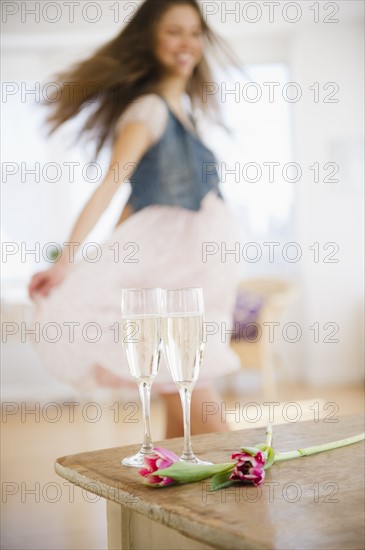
{"type": "Point", "coordinates": [262, 135]}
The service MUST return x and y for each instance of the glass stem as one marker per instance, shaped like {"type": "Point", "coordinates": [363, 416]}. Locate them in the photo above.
{"type": "Point", "coordinates": [145, 394]}
{"type": "Point", "coordinates": [185, 395]}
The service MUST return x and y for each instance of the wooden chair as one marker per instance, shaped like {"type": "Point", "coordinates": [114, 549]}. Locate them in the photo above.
{"type": "Point", "coordinates": [278, 295]}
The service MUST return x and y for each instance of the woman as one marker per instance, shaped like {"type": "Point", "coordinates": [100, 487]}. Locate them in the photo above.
{"type": "Point", "coordinates": [175, 207]}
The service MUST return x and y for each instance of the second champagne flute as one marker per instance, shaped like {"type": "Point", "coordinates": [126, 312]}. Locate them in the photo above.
{"type": "Point", "coordinates": [141, 338]}
{"type": "Point", "coordinates": [182, 324]}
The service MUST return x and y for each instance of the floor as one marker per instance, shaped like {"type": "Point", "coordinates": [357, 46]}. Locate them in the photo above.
{"type": "Point", "coordinates": [41, 510]}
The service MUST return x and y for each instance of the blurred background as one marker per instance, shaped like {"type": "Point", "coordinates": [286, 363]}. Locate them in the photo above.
{"type": "Point", "coordinates": [293, 173]}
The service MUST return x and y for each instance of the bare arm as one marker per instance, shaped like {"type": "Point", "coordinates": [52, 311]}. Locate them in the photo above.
{"type": "Point", "coordinates": [131, 143]}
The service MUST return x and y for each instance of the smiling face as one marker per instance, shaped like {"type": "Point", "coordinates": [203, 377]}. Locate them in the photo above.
{"type": "Point", "coordinates": [179, 41]}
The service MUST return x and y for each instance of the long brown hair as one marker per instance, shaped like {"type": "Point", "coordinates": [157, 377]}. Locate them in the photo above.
{"type": "Point", "coordinates": [125, 68]}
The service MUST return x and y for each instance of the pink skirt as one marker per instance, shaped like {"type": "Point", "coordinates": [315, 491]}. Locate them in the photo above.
{"type": "Point", "coordinates": [158, 246]}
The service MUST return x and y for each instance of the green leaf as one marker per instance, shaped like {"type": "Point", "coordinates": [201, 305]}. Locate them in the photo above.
{"type": "Point", "coordinates": [221, 480]}
{"type": "Point", "coordinates": [187, 473]}
{"type": "Point", "coordinates": [270, 458]}
{"type": "Point", "coordinates": [250, 450]}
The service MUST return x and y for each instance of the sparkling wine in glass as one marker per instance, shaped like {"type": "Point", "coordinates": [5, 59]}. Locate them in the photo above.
{"type": "Point", "coordinates": [182, 325]}
{"type": "Point", "coordinates": [141, 339]}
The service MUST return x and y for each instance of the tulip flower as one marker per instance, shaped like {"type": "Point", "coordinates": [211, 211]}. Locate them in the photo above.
{"type": "Point", "coordinates": [159, 459]}
{"type": "Point", "coordinates": [249, 468]}
{"type": "Point", "coordinates": [162, 467]}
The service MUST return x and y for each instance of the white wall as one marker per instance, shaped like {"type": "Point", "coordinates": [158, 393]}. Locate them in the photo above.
{"type": "Point", "coordinates": [325, 212]}
{"type": "Point", "coordinates": [331, 213]}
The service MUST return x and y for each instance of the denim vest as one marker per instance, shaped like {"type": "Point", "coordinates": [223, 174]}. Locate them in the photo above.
{"type": "Point", "coordinates": [177, 170]}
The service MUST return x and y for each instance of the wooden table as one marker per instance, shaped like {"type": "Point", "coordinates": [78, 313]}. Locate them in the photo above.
{"type": "Point", "coordinates": [313, 502]}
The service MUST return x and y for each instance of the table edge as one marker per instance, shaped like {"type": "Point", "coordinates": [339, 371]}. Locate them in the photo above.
{"type": "Point", "coordinates": [187, 527]}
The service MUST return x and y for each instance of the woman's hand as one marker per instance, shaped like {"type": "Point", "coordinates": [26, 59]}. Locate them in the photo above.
{"type": "Point", "coordinates": [41, 283]}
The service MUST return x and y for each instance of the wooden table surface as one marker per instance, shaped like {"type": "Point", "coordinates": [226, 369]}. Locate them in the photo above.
{"type": "Point", "coordinates": [311, 502]}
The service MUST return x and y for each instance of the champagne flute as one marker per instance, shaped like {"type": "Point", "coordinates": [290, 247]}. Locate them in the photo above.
{"type": "Point", "coordinates": [141, 339]}
{"type": "Point", "coordinates": [182, 322]}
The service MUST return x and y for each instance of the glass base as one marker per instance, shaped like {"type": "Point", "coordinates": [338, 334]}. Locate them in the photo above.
{"type": "Point", "coordinates": [137, 460]}
{"type": "Point", "coordinates": [194, 460]}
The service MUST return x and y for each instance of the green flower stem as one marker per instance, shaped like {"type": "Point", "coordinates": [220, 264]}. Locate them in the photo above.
{"type": "Point", "coordinates": [280, 457]}
{"type": "Point", "coordinates": [269, 434]}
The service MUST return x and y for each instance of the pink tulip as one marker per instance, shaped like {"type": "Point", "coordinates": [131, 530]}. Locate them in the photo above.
{"type": "Point", "coordinates": [158, 459]}
{"type": "Point", "coordinates": [249, 468]}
